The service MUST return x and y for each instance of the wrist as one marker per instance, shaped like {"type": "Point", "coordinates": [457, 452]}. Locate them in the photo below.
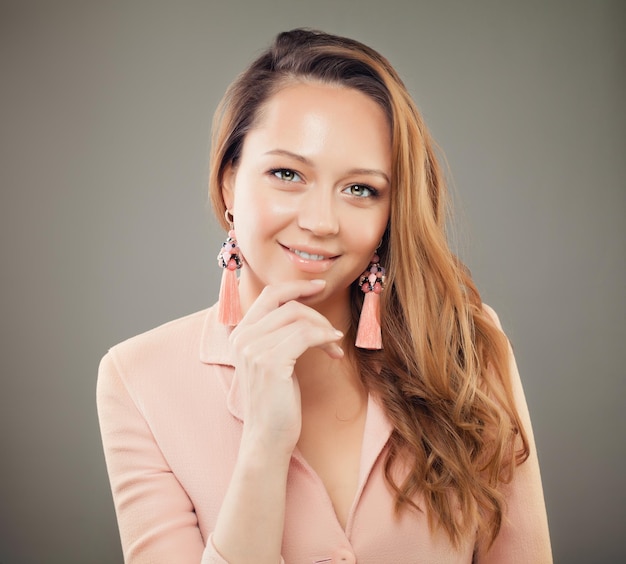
{"type": "Point", "coordinates": [261, 450]}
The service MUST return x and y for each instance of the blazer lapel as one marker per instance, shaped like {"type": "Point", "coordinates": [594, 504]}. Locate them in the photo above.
{"type": "Point", "coordinates": [215, 348]}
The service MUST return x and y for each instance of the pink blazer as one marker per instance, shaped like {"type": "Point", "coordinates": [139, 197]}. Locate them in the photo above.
{"type": "Point", "coordinates": [171, 420]}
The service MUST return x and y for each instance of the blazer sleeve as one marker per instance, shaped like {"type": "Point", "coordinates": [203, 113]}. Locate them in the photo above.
{"type": "Point", "coordinates": [524, 536]}
{"type": "Point", "coordinates": [156, 518]}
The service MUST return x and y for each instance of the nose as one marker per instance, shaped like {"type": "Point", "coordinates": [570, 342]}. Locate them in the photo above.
{"type": "Point", "coordinates": [318, 213]}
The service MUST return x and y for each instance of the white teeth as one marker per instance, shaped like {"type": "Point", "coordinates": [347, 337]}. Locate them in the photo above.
{"type": "Point", "coordinates": [307, 256]}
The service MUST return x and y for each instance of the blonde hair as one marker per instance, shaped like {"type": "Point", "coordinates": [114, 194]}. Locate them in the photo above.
{"type": "Point", "coordinates": [443, 376]}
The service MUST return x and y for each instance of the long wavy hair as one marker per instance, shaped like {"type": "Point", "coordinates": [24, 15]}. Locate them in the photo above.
{"type": "Point", "coordinates": [443, 376]}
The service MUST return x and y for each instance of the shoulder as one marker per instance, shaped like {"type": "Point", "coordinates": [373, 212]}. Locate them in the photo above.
{"type": "Point", "coordinates": [492, 315]}
{"type": "Point", "coordinates": [164, 339]}
{"type": "Point", "coordinates": [159, 354]}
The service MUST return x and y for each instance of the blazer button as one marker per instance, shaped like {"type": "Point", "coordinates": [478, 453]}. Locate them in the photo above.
{"type": "Point", "coordinates": [344, 556]}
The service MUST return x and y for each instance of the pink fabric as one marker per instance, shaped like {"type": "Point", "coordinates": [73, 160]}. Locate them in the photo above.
{"type": "Point", "coordinates": [171, 420]}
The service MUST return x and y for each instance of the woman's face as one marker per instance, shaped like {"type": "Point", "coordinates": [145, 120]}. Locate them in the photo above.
{"type": "Point", "coordinates": [311, 191]}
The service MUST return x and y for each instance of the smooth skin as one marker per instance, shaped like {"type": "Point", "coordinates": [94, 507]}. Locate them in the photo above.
{"type": "Point", "coordinates": [311, 197]}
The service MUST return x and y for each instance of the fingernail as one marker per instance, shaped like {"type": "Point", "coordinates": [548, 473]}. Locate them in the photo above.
{"type": "Point", "coordinates": [338, 333]}
{"type": "Point", "coordinates": [318, 282]}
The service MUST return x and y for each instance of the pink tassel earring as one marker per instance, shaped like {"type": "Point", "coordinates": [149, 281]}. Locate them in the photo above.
{"type": "Point", "coordinates": [372, 282]}
{"type": "Point", "coordinates": [229, 258]}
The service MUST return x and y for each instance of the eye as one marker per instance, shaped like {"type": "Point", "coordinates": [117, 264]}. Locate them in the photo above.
{"type": "Point", "coordinates": [361, 191]}
{"type": "Point", "coordinates": [286, 174]}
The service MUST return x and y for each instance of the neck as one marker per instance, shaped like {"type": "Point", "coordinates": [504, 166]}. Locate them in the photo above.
{"type": "Point", "coordinates": [329, 384]}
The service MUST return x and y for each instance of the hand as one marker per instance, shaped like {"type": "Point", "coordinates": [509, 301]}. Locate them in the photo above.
{"type": "Point", "coordinates": [275, 331]}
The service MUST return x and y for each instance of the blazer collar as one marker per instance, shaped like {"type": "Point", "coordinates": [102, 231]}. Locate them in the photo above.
{"type": "Point", "coordinates": [214, 345]}
{"type": "Point", "coordinates": [215, 349]}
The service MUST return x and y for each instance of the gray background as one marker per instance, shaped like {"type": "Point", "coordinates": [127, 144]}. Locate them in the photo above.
{"type": "Point", "coordinates": [105, 230]}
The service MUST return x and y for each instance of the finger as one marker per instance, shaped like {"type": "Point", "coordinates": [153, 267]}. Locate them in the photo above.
{"type": "Point", "coordinates": [285, 314]}
{"type": "Point", "coordinates": [293, 314]}
{"type": "Point", "coordinates": [279, 350]}
{"type": "Point", "coordinates": [291, 341]}
{"type": "Point", "coordinates": [272, 297]}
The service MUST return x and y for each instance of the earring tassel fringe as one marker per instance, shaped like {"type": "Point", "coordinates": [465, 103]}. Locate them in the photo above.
{"type": "Point", "coordinates": [368, 333]}
{"type": "Point", "coordinates": [229, 312]}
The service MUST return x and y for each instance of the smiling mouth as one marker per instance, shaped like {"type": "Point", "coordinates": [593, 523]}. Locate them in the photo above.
{"type": "Point", "coordinates": [308, 256]}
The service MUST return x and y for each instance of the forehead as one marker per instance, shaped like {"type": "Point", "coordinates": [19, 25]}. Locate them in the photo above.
{"type": "Point", "coordinates": [312, 118]}
{"type": "Point", "coordinates": [298, 94]}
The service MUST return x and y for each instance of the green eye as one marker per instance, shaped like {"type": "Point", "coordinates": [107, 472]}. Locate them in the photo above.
{"type": "Point", "coordinates": [286, 174]}
{"type": "Point", "coordinates": [360, 191]}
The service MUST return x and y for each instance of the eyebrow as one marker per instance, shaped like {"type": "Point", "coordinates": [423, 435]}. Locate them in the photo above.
{"type": "Point", "coordinates": [302, 159]}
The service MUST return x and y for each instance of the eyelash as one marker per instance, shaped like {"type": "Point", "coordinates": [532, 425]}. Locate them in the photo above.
{"type": "Point", "coordinates": [277, 172]}
{"type": "Point", "coordinates": [373, 193]}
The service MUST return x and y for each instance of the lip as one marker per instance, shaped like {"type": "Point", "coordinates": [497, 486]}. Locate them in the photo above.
{"type": "Point", "coordinates": [314, 266]}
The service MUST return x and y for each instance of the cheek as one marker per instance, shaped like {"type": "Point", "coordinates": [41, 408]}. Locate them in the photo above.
{"type": "Point", "coordinates": [259, 215]}
{"type": "Point", "coordinates": [366, 230]}
{"type": "Point", "coordinates": [362, 238]}
{"type": "Point", "coordinates": [256, 203]}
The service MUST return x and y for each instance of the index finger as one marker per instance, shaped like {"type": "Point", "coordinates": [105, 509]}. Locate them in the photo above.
{"type": "Point", "coordinates": [272, 297]}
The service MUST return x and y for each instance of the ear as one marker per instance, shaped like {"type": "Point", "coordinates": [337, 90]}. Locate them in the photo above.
{"type": "Point", "coordinates": [228, 185]}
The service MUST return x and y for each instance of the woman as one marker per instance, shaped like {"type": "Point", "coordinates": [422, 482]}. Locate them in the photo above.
{"type": "Point", "coordinates": [257, 430]}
